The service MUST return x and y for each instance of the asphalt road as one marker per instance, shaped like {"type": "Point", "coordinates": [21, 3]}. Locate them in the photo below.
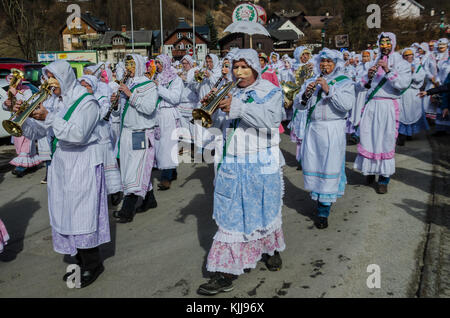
{"type": "Point", "coordinates": [163, 252]}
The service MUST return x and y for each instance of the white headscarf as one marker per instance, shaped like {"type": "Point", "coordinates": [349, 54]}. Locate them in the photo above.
{"type": "Point", "coordinates": [63, 72]}
{"type": "Point", "coordinates": [250, 56]}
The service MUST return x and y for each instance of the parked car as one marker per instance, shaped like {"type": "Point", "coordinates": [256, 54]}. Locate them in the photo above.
{"type": "Point", "coordinates": [4, 114]}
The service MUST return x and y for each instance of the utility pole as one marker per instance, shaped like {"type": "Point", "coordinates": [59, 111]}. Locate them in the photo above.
{"type": "Point", "coordinates": [193, 29]}
{"type": "Point", "coordinates": [161, 19]}
{"type": "Point", "coordinates": [132, 27]}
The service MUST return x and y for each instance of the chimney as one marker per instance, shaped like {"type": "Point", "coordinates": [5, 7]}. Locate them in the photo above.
{"type": "Point", "coordinates": [124, 28]}
{"type": "Point", "coordinates": [180, 19]}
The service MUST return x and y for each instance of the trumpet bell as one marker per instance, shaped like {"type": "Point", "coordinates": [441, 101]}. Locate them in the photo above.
{"type": "Point", "coordinates": [12, 128]}
{"type": "Point", "coordinates": [204, 116]}
{"type": "Point", "coordinates": [290, 89]}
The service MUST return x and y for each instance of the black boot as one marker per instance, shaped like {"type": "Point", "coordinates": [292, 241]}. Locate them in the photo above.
{"type": "Point", "coordinates": [91, 266]}
{"type": "Point", "coordinates": [401, 140]}
{"type": "Point", "coordinates": [148, 203]}
{"type": "Point", "coordinates": [126, 214]}
{"type": "Point", "coordinates": [116, 198]}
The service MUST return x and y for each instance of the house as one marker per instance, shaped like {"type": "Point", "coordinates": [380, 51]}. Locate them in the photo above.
{"type": "Point", "coordinates": [407, 9]}
{"type": "Point", "coordinates": [260, 43]}
{"type": "Point", "coordinates": [285, 34]}
{"type": "Point", "coordinates": [296, 17]}
{"type": "Point", "coordinates": [82, 32]}
{"type": "Point", "coordinates": [181, 40]}
{"type": "Point", "coordinates": [113, 46]}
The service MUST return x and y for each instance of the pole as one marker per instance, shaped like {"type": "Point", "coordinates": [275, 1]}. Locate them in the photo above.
{"type": "Point", "coordinates": [161, 19]}
{"type": "Point", "coordinates": [193, 28]}
{"type": "Point", "coordinates": [251, 42]}
{"type": "Point", "coordinates": [132, 27]}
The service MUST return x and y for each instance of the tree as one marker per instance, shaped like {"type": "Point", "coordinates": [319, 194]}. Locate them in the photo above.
{"type": "Point", "coordinates": [212, 31]}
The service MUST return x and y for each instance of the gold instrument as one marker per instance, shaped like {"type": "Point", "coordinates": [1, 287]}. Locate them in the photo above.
{"type": "Point", "coordinates": [303, 73]}
{"type": "Point", "coordinates": [14, 125]}
{"type": "Point", "coordinates": [200, 76]}
{"type": "Point", "coordinates": [17, 76]}
{"type": "Point", "coordinates": [206, 111]}
{"type": "Point", "coordinates": [291, 89]}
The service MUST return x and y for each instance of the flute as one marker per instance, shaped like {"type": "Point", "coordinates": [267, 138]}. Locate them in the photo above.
{"type": "Point", "coordinates": [369, 83]}
{"type": "Point", "coordinates": [308, 93]}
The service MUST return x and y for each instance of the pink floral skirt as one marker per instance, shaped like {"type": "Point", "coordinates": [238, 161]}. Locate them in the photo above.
{"type": "Point", "coordinates": [4, 237]}
{"type": "Point", "coordinates": [233, 258]}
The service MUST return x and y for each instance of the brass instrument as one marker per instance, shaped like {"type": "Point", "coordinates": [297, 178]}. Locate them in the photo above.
{"type": "Point", "coordinates": [303, 73]}
{"type": "Point", "coordinates": [200, 76]}
{"type": "Point", "coordinates": [115, 103]}
{"type": "Point", "coordinates": [206, 111]}
{"type": "Point", "coordinates": [14, 125]}
{"type": "Point", "coordinates": [291, 89]}
{"type": "Point", "coordinates": [17, 76]}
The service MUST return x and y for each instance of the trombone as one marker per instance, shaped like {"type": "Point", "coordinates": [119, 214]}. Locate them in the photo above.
{"type": "Point", "coordinates": [14, 125]}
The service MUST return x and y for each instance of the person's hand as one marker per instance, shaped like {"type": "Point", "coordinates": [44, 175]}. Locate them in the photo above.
{"type": "Point", "coordinates": [40, 113]}
{"type": "Point", "coordinates": [310, 66]}
{"type": "Point", "coordinates": [113, 97]}
{"type": "Point", "coordinates": [323, 83]}
{"type": "Point", "coordinates": [225, 104]}
{"type": "Point", "coordinates": [12, 90]}
{"type": "Point", "coordinates": [207, 74]}
{"type": "Point", "coordinates": [17, 106]}
{"type": "Point", "coordinates": [422, 94]}
{"type": "Point", "coordinates": [156, 82]}
{"type": "Point", "coordinates": [8, 103]}
{"type": "Point", "coordinates": [310, 87]}
{"type": "Point", "coordinates": [372, 71]}
{"type": "Point", "coordinates": [384, 65]}
{"type": "Point", "coordinates": [445, 113]}
{"type": "Point", "coordinates": [124, 88]}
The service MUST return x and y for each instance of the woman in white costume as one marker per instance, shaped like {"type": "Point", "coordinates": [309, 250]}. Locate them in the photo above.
{"type": "Point", "coordinates": [136, 145]}
{"type": "Point", "coordinates": [332, 95]}
{"type": "Point", "coordinates": [248, 193]}
{"type": "Point", "coordinates": [378, 128]}
{"type": "Point", "coordinates": [77, 198]}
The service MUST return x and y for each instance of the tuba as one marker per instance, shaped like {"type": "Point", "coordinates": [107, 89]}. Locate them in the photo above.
{"type": "Point", "coordinates": [14, 125]}
{"type": "Point", "coordinates": [291, 89]}
{"type": "Point", "coordinates": [206, 111]}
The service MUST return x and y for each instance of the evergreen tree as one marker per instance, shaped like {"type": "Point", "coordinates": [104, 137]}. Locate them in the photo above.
{"type": "Point", "coordinates": [212, 31]}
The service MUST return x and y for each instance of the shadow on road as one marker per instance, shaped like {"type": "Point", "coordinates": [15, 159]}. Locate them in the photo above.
{"type": "Point", "coordinates": [16, 215]}
{"type": "Point", "coordinates": [201, 207]}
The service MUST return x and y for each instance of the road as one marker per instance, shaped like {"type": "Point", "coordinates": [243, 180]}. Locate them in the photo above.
{"type": "Point", "coordinates": [163, 252]}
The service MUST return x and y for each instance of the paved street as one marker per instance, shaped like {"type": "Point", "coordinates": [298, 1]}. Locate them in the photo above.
{"type": "Point", "coordinates": [163, 252]}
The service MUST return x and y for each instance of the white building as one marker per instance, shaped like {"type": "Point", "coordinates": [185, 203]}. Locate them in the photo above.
{"type": "Point", "coordinates": [409, 9]}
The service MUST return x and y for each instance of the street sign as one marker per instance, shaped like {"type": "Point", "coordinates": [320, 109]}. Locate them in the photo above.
{"type": "Point", "coordinates": [191, 52]}
{"type": "Point", "coordinates": [342, 40]}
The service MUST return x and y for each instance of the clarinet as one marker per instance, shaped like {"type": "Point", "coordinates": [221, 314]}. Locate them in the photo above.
{"type": "Point", "coordinates": [306, 96]}
{"type": "Point", "coordinates": [115, 103]}
{"type": "Point", "coordinates": [368, 85]}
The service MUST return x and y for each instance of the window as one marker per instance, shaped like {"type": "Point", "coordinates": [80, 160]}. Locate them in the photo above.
{"type": "Point", "coordinates": [179, 35]}
{"type": "Point", "coordinates": [181, 46]}
{"type": "Point", "coordinates": [189, 35]}
{"type": "Point", "coordinates": [259, 45]}
{"type": "Point", "coordinates": [69, 40]}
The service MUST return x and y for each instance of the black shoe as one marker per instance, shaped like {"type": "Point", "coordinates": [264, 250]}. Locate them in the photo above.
{"type": "Point", "coordinates": [116, 198]}
{"type": "Point", "coordinates": [370, 179]}
{"type": "Point", "coordinates": [217, 284]}
{"type": "Point", "coordinates": [299, 166]}
{"type": "Point", "coordinates": [322, 223]}
{"type": "Point", "coordinates": [164, 185]}
{"type": "Point", "coordinates": [401, 140]}
{"type": "Point", "coordinates": [89, 276]}
{"type": "Point", "coordinates": [126, 214]}
{"type": "Point", "coordinates": [382, 189]}
{"type": "Point", "coordinates": [274, 262]}
{"type": "Point", "coordinates": [148, 203]}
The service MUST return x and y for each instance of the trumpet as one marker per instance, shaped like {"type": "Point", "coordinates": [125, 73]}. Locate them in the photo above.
{"type": "Point", "coordinates": [14, 125]}
{"type": "Point", "coordinates": [115, 103]}
{"type": "Point", "coordinates": [206, 111]}
{"type": "Point", "coordinates": [308, 93]}
{"type": "Point", "coordinates": [290, 89]}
